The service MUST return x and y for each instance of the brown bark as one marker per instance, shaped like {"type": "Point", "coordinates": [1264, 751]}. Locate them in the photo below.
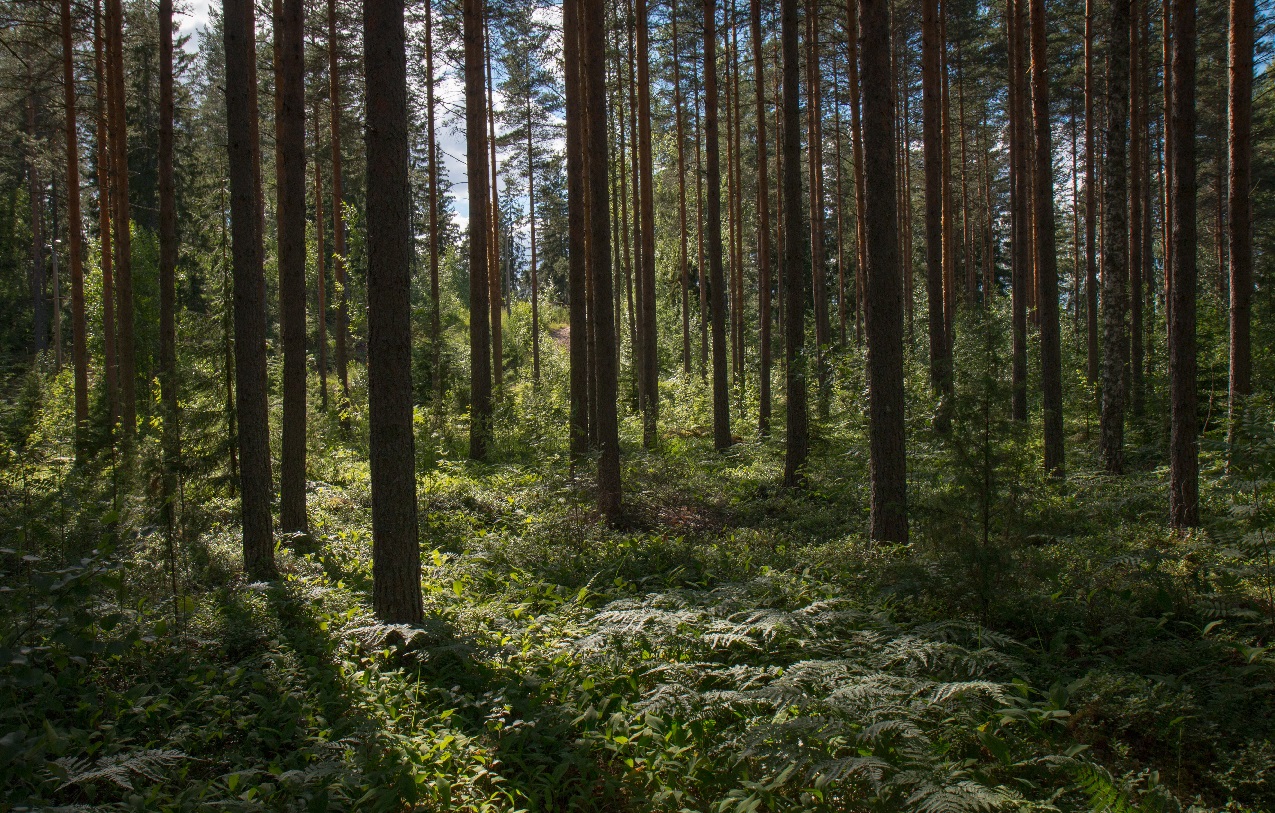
{"type": "Point", "coordinates": [1091, 198]}
{"type": "Point", "coordinates": [126, 338]}
{"type": "Point", "coordinates": [1184, 450]}
{"type": "Point", "coordinates": [168, 376]}
{"type": "Point", "coordinates": [320, 258]}
{"type": "Point", "coordinates": [290, 234]}
{"type": "Point", "coordinates": [339, 265]}
{"type": "Point", "coordinates": [1137, 196]}
{"type": "Point", "coordinates": [856, 149]}
{"type": "Point", "coordinates": [1240, 225]}
{"type": "Point", "coordinates": [717, 281]}
{"type": "Point", "coordinates": [884, 305]}
{"type": "Point", "coordinates": [75, 238]}
{"type": "Point", "coordinates": [396, 558]}
{"type": "Point", "coordinates": [796, 365]}
{"type": "Point", "coordinates": [681, 198]}
{"type": "Point", "coordinates": [763, 227]}
{"type": "Point", "coordinates": [435, 320]}
{"type": "Point", "coordinates": [479, 231]}
{"type": "Point", "coordinates": [250, 292]}
{"type": "Point", "coordinates": [106, 256]}
{"type": "Point", "coordinates": [576, 269]}
{"type": "Point", "coordinates": [1020, 243]}
{"type": "Point", "coordinates": [931, 114]}
{"type": "Point", "coordinates": [814, 148]}
{"type": "Point", "coordinates": [495, 295]}
{"type": "Point", "coordinates": [649, 368]}
{"type": "Point", "coordinates": [1115, 356]}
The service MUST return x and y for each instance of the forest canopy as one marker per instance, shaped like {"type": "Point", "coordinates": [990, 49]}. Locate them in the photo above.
{"type": "Point", "coordinates": [639, 405]}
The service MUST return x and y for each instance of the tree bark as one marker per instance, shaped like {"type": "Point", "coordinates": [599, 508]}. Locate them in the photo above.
{"type": "Point", "coordinates": [593, 68]}
{"type": "Point", "coordinates": [1115, 300]}
{"type": "Point", "coordinates": [814, 149]}
{"type": "Point", "coordinates": [1091, 205]}
{"type": "Point", "coordinates": [650, 356]}
{"type": "Point", "coordinates": [495, 295]}
{"type": "Point", "coordinates": [931, 117]}
{"type": "Point", "coordinates": [126, 350]}
{"type": "Point", "coordinates": [1046, 256]}
{"type": "Point", "coordinates": [321, 281]}
{"type": "Point", "coordinates": [75, 238]}
{"type": "Point", "coordinates": [250, 292]}
{"type": "Point", "coordinates": [106, 256]}
{"type": "Point", "coordinates": [884, 304]}
{"type": "Point", "coordinates": [1184, 465]}
{"type": "Point", "coordinates": [479, 231]}
{"type": "Point", "coordinates": [717, 282]}
{"type": "Point", "coordinates": [1137, 162]}
{"type": "Point", "coordinates": [396, 558]}
{"type": "Point", "coordinates": [290, 213]}
{"type": "Point", "coordinates": [1020, 244]}
{"type": "Point", "coordinates": [168, 376]}
{"type": "Point", "coordinates": [763, 227]}
{"type": "Point", "coordinates": [576, 271]}
{"type": "Point", "coordinates": [1240, 225]}
{"type": "Point", "coordinates": [795, 368]}
{"type": "Point", "coordinates": [339, 264]}
{"type": "Point", "coordinates": [435, 320]}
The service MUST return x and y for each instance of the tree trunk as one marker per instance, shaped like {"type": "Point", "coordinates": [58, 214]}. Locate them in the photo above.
{"type": "Point", "coordinates": [1184, 465]}
{"type": "Point", "coordinates": [250, 292]}
{"type": "Point", "coordinates": [856, 149]}
{"type": "Point", "coordinates": [479, 231]}
{"type": "Point", "coordinates": [1137, 180]}
{"type": "Point", "coordinates": [795, 367]}
{"type": "Point", "coordinates": [396, 558]}
{"type": "Point", "coordinates": [814, 148]}
{"type": "Point", "coordinates": [1091, 200]}
{"type": "Point", "coordinates": [1046, 257]}
{"type": "Point", "coordinates": [884, 303]}
{"type": "Point", "coordinates": [493, 246]}
{"type": "Point", "coordinates": [650, 357]}
{"type": "Point", "coordinates": [684, 272]}
{"type": "Point", "coordinates": [435, 320]}
{"type": "Point", "coordinates": [763, 227]}
{"type": "Point", "coordinates": [290, 214]}
{"type": "Point", "coordinates": [321, 281]}
{"type": "Point", "coordinates": [123, 239]}
{"type": "Point", "coordinates": [1240, 225]}
{"type": "Point", "coordinates": [577, 304]}
{"type": "Point", "coordinates": [931, 117]}
{"type": "Point", "coordinates": [717, 282]}
{"type": "Point", "coordinates": [168, 376]}
{"type": "Point", "coordinates": [700, 269]}
{"type": "Point", "coordinates": [1020, 245]}
{"type": "Point", "coordinates": [593, 68]}
{"type": "Point", "coordinates": [75, 244]}
{"type": "Point", "coordinates": [1115, 301]}
{"type": "Point", "coordinates": [339, 265]}
{"type": "Point", "coordinates": [106, 256]}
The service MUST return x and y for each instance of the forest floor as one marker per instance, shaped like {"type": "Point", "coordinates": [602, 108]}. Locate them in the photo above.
{"type": "Point", "coordinates": [730, 646]}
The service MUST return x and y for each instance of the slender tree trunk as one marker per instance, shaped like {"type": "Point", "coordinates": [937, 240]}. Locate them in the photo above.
{"type": "Point", "coordinates": [701, 269]}
{"type": "Point", "coordinates": [106, 256]}
{"type": "Point", "coordinates": [593, 68]}
{"type": "Point", "coordinates": [321, 281]}
{"type": "Point", "coordinates": [650, 356]}
{"type": "Point", "coordinates": [1167, 10]}
{"type": "Point", "coordinates": [795, 367]}
{"type": "Point", "coordinates": [576, 270]}
{"type": "Point", "coordinates": [948, 198]}
{"type": "Point", "coordinates": [75, 239]}
{"type": "Point", "coordinates": [339, 264]}
{"type": "Point", "coordinates": [290, 214]}
{"type": "Point", "coordinates": [814, 147]}
{"type": "Point", "coordinates": [55, 278]}
{"type": "Point", "coordinates": [479, 231]}
{"type": "Point", "coordinates": [737, 309]}
{"type": "Point", "coordinates": [35, 196]}
{"type": "Point", "coordinates": [967, 254]}
{"type": "Point", "coordinates": [884, 306]}
{"type": "Point", "coordinates": [1021, 221]}
{"type": "Point", "coordinates": [856, 149]}
{"type": "Point", "coordinates": [168, 376]}
{"type": "Point", "coordinates": [843, 316]}
{"type": "Point", "coordinates": [1091, 199]}
{"type": "Point", "coordinates": [1046, 256]}
{"type": "Point", "coordinates": [681, 196]}
{"type": "Point", "coordinates": [531, 223]}
{"type": "Point", "coordinates": [493, 245]}
{"type": "Point", "coordinates": [763, 226]}
{"type": "Point", "coordinates": [396, 558]}
{"type": "Point", "coordinates": [435, 320]}
{"type": "Point", "coordinates": [126, 352]}
{"type": "Point", "coordinates": [1240, 225]}
{"type": "Point", "coordinates": [1184, 450]}
{"type": "Point", "coordinates": [931, 113]}
{"type": "Point", "coordinates": [1115, 357]}
{"type": "Point", "coordinates": [1137, 152]}
{"type": "Point", "coordinates": [250, 292]}
{"type": "Point", "coordinates": [717, 282]}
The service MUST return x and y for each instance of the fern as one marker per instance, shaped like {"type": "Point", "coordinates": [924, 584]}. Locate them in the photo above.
{"type": "Point", "coordinates": [117, 769]}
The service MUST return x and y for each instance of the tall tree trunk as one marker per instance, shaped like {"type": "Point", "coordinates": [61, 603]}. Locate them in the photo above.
{"type": "Point", "coordinates": [1184, 465]}
{"type": "Point", "coordinates": [75, 238]}
{"type": "Point", "coordinates": [576, 270]}
{"type": "Point", "coordinates": [250, 292]}
{"type": "Point", "coordinates": [1115, 357]}
{"type": "Point", "coordinates": [737, 266]}
{"type": "Point", "coordinates": [814, 151]}
{"type": "Point", "coordinates": [435, 319]}
{"type": "Point", "coordinates": [1046, 256]}
{"type": "Point", "coordinates": [1240, 225]}
{"type": "Point", "coordinates": [948, 198]}
{"type": "Point", "coordinates": [856, 149]}
{"type": "Point", "coordinates": [479, 231]}
{"type": "Point", "coordinates": [843, 315]}
{"type": "Point", "coordinates": [396, 557]}
{"type": "Point", "coordinates": [1020, 244]}
{"type": "Point", "coordinates": [106, 256]}
{"type": "Point", "coordinates": [35, 196]}
{"type": "Point", "coordinates": [684, 271]}
{"type": "Point", "coordinates": [593, 68]}
{"type": "Point", "coordinates": [701, 270]}
{"type": "Point", "coordinates": [339, 265]}
{"type": "Point", "coordinates": [493, 245]}
{"type": "Point", "coordinates": [1167, 34]}
{"type": "Point", "coordinates": [290, 214]}
{"type": "Point", "coordinates": [126, 351]}
{"type": "Point", "coordinates": [763, 226]}
{"type": "Point", "coordinates": [650, 356]}
{"type": "Point", "coordinates": [320, 262]}
{"type": "Point", "coordinates": [795, 366]}
{"type": "Point", "coordinates": [884, 305]}
{"type": "Point", "coordinates": [1137, 160]}
{"type": "Point", "coordinates": [1091, 201]}
{"type": "Point", "coordinates": [168, 376]}
{"type": "Point", "coordinates": [531, 223]}
{"type": "Point", "coordinates": [716, 282]}
{"type": "Point", "coordinates": [932, 121]}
